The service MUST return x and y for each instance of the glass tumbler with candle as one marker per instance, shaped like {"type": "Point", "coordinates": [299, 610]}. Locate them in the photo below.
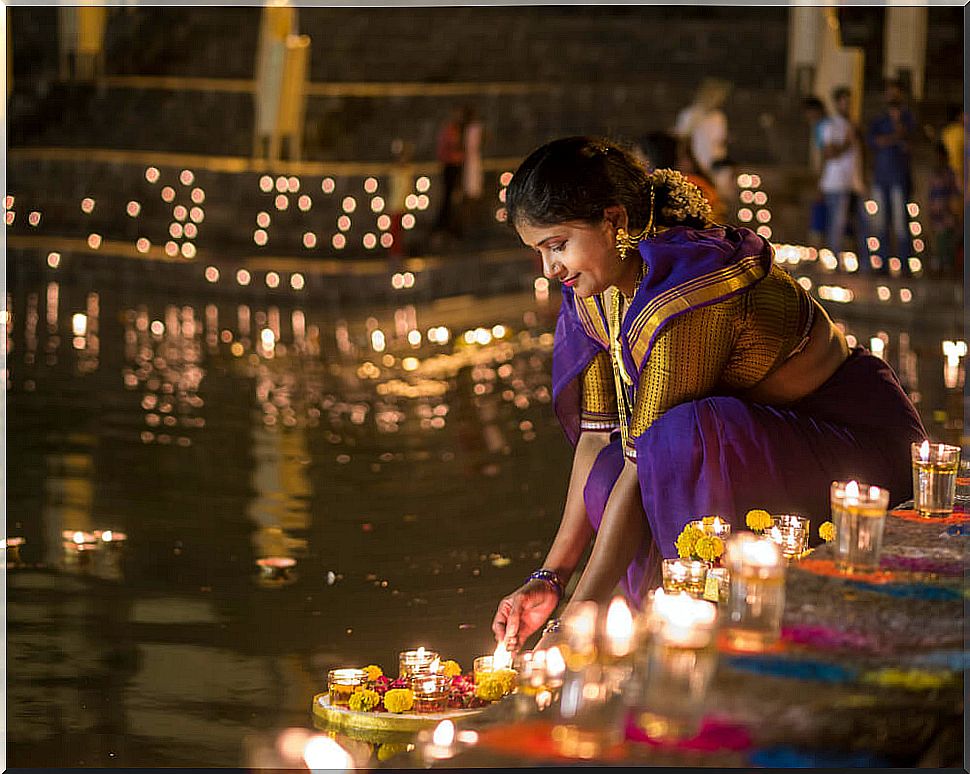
{"type": "Point", "coordinates": [344, 683]}
{"type": "Point", "coordinates": [962, 496]}
{"type": "Point", "coordinates": [756, 599]}
{"type": "Point", "coordinates": [418, 660]}
{"type": "Point", "coordinates": [675, 669]}
{"type": "Point", "coordinates": [684, 575]}
{"type": "Point", "coordinates": [859, 515]}
{"type": "Point", "coordinates": [935, 468]}
{"type": "Point", "coordinates": [430, 692]}
{"type": "Point", "coordinates": [790, 531]}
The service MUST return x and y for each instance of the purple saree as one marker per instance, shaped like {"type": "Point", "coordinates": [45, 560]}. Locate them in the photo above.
{"type": "Point", "coordinates": [721, 454]}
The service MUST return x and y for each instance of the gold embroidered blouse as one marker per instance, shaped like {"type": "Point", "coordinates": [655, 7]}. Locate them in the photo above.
{"type": "Point", "coordinates": [721, 348]}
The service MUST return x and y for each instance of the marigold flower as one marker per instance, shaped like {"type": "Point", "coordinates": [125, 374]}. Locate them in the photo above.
{"type": "Point", "coordinates": [373, 672]}
{"type": "Point", "coordinates": [704, 548]}
{"type": "Point", "coordinates": [495, 685]}
{"type": "Point", "coordinates": [364, 701]}
{"type": "Point", "coordinates": [450, 668]}
{"type": "Point", "coordinates": [398, 700]}
{"type": "Point", "coordinates": [687, 540]}
{"type": "Point", "coordinates": [387, 751]}
{"type": "Point", "coordinates": [758, 520]}
{"type": "Point", "coordinates": [826, 531]}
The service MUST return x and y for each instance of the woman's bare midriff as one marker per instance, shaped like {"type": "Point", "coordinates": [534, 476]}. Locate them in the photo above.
{"type": "Point", "coordinates": [806, 371]}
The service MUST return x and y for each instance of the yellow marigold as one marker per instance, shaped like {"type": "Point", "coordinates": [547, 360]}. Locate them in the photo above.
{"type": "Point", "coordinates": [717, 548]}
{"type": "Point", "coordinates": [826, 531]}
{"type": "Point", "coordinates": [398, 700]}
{"type": "Point", "coordinates": [387, 751]}
{"type": "Point", "coordinates": [494, 686]}
{"type": "Point", "coordinates": [373, 672]}
{"type": "Point", "coordinates": [704, 548]}
{"type": "Point", "coordinates": [758, 520]}
{"type": "Point", "coordinates": [364, 701]}
{"type": "Point", "coordinates": [450, 668]}
{"type": "Point", "coordinates": [686, 541]}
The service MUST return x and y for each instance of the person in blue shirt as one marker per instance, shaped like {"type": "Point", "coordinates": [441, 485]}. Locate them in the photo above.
{"type": "Point", "coordinates": [890, 137]}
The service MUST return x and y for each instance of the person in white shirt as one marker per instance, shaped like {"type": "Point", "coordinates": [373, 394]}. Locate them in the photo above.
{"type": "Point", "coordinates": [704, 125]}
{"type": "Point", "coordinates": [841, 180]}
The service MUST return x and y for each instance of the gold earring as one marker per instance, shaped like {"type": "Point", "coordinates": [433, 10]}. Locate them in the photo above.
{"type": "Point", "coordinates": [622, 243]}
{"type": "Point", "coordinates": [626, 241]}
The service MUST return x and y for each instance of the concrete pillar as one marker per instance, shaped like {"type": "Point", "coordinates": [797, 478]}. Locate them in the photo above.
{"type": "Point", "coordinates": [804, 40]}
{"type": "Point", "coordinates": [296, 66]}
{"type": "Point", "coordinates": [904, 46]}
{"type": "Point", "coordinates": [81, 41]}
{"type": "Point", "coordinates": [839, 65]}
{"type": "Point", "coordinates": [278, 22]}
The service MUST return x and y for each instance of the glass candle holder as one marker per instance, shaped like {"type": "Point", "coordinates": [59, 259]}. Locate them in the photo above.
{"type": "Point", "coordinates": [714, 526]}
{"type": "Point", "coordinates": [482, 666]}
{"type": "Point", "coordinates": [418, 660]}
{"type": "Point", "coordinates": [859, 515]}
{"type": "Point", "coordinates": [962, 495]}
{"type": "Point", "coordinates": [684, 575]}
{"type": "Point", "coordinates": [578, 629]}
{"type": "Point", "coordinates": [344, 683]}
{"type": "Point", "coordinates": [430, 692]}
{"type": "Point", "coordinates": [675, 672]}
{"type": "Point", "coordinates": [540, 677]}
{"type": "Point", "coordinates": [756, 599]}
{"type": "Point", "coordinates": [790, 531]}
{"type": "Point", "coordinates": [935, 468]}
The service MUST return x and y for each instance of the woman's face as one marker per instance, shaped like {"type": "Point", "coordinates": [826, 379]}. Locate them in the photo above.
{"type": "Point", "coordinates": [579, 254]}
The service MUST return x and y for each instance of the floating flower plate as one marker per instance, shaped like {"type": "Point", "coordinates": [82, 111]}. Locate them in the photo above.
{"type": "Point", "coordinates": [342, 717]}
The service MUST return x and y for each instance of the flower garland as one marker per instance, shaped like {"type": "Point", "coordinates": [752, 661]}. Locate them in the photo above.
{"type": "Point", "coordinates": [684, 199]}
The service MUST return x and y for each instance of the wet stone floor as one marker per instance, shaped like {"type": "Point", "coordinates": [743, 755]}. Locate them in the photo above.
{"type": "Point", "coordinates": [406, 464]}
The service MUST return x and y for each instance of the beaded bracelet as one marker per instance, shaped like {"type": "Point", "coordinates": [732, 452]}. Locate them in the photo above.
{"type": "Point", "coordinates": [552, 578]}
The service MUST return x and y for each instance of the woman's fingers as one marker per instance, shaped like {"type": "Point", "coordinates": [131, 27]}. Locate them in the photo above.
{"type": "Point", "coordinates": [512, 622]}
{"type": "Point", "coordinates": [499, 623]}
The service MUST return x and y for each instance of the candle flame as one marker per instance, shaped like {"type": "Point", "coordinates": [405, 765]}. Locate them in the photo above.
{"type": "Point", "coordinates": [555, 663]}
{"type": "Point", "coordinates": [924, 450]}
{"type": "Point", "coordinates": [420, 653]}
{"type": "Point", "coordinates": [106, 536]}
{"type": "Point", "coordinates": [501, 659]}
{"type": "Point", "coordinates": [78, 537]}
{"type": "Point", "coordinates": [852, 489]}
{"type": "Point", "coordinates": [619, 626]}
{"type": "Point", "coordinates": [717, 524]}
{"type": "Point", "coordinates": [444, 733]}
{"type": "Point", "coordinates": [436, 665]}
{"type": "Point", "coordinates": [322, 752]}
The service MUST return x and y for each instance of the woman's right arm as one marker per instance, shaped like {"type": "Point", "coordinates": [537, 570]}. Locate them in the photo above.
{"type": "Point", "coordinates": [527, 608]}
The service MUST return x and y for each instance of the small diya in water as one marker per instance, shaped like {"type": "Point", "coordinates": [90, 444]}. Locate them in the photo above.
{"type": "Point", "coordinates": [78, 546]}
{"type": "Point", "coordinates": [111, 538]}
{"type": "Point", "coordinates": [276, 570]}
{"type": "Point", "coordinates": [13, 550]}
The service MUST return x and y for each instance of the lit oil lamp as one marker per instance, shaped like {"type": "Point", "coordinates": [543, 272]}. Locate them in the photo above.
{"type": "Point", "coordinates": [13, 551]}
{"type": "Point", "coordinates": [276, 570]}
{"type": "Point", "coordinates": [111, 538]}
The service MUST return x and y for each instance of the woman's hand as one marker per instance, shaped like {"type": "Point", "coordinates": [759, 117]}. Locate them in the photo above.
{"type": "Point", "coordinates": [522, 612]}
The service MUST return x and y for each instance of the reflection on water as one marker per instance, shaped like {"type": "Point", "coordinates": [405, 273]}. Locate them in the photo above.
{"type": "Point", "coordinates": [300, 489]}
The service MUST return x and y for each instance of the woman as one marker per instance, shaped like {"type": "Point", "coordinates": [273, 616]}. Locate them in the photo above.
{"type": "Point", "coordinates": [691, 374]}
